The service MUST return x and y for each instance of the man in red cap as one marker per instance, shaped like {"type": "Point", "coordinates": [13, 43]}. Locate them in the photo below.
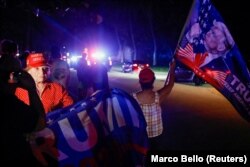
{"type": "Point", "coordinates": [52, 95]}
{"type": "Point", "coordinates": [149, 101]}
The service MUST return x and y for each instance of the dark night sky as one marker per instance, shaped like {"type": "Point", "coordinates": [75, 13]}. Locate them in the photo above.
{"type": "Point", "coordinates": [169, 17]}
{"type": "Point", "coordinates": [236, 16]}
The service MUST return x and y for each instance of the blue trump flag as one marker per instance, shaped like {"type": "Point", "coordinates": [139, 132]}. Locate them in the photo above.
{"type": "Point", "coordinates": [207, 47]}
{"type": "Point", "coordinates": [107, 129]}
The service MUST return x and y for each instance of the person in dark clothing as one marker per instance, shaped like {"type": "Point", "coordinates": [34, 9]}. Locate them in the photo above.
{"type": "Point", "coordinates": [8, 47]}
{"type": "Point", "coordinates": [23, 58]}
{"type": "Point", "coordinates": [92, 78]}
{"type": "Point", "coordinates": [19, 119]}
{"type": "Point", "coordinates": [84, 76]}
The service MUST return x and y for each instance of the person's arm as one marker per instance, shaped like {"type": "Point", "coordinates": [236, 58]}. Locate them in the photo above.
{"type": "Point", "coordinates": [26, 81]}
{"type": "Point", "coordinates": [169, 81]}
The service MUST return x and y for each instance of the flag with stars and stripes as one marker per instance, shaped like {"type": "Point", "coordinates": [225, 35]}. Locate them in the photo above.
{"type": "Point", "coordinates": [208, 48]}
{"type": "Point", "coordinates": [107, 129]}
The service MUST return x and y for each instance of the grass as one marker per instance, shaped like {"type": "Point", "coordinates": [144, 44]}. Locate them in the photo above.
{"type": "Point", "coordinates": [160, 68]}
{"type": "Point", "coordinates": [154, 68]}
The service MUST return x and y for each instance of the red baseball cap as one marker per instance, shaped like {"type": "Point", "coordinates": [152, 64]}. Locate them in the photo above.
{"type": "Point", "coordinates": [146, 75]}
{"type": "Point", "coordinates": [36, 60]}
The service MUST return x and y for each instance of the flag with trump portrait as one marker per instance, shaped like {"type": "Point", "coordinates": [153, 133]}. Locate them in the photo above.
{"type": "Point", "coordinates": [107, 129]}
{"type": "Point", "coordinates": [208, 48]}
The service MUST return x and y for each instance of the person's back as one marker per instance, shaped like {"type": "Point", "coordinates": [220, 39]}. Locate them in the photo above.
{"type": "Point", "coordinates": [18, 120]}
{"type": "Point", "coordinates": [84, 75]}
{"type": "Point", "coordinates": [8, 48]}
{"type": "Point", "coordinates": [150, 105]}
{"type": "Point", "coordinates": [8, 59]}
{"type": "Point", "coordinates": [149, 101]}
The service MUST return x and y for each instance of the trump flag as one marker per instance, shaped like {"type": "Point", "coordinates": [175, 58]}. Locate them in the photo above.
{"type": "Point", "coordinates": [207, 47]}
{"type": "Point", "coordinates": [107, 129]}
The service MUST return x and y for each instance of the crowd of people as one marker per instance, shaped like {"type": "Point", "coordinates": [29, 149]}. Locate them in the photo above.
{"type": "Point", "coordinates": [32, 86]}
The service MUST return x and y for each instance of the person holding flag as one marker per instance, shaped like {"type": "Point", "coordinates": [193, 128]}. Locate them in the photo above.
{"type": "Point", "coordinates": [150, 100]}
{"type": "Point", "coordinates": [207, 47]}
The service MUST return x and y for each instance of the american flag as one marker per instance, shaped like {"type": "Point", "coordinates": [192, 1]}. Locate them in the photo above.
{"type": "Point", "coordinates": [205, 17]}
{"type": "Point", "coordinates": [207, 47]}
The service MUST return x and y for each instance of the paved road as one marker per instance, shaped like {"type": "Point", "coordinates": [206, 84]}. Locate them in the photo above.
{"type": "Point", "coordinates": [195, 118]}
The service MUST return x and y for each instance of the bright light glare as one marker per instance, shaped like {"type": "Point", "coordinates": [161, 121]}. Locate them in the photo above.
{"type": "Point", "coordinates": [135, 65]}
{"type": "Point", "coordinates": [98, 55]}
{"type": "Point", "coordinates": [75, 58]}
{"type": "Point", "coordinates": [88, 63]}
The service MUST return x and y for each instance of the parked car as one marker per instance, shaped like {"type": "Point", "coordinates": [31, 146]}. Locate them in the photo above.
{"type": "Point", "coordinates": [127, 67]}
{"type": "Point", "coordinates": [184, 74]}
{"type": "Point", "coordinates": [135, 65]}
